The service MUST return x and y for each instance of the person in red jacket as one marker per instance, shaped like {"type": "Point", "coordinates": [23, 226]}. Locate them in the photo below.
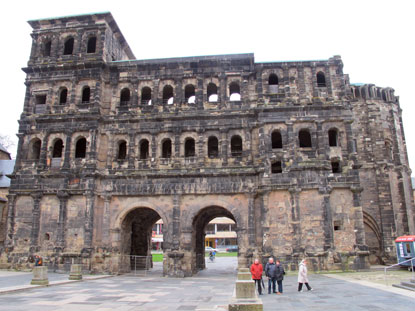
{"type": "Point", "coordinates": [256, 271]}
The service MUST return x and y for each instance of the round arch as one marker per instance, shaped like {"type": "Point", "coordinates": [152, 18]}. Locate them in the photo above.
{"type": "Point", "coordinates": [373, 237]}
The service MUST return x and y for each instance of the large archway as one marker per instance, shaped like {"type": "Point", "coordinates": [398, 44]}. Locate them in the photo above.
{"type": "Point", "coordinates": [136, 239]}
{"type": "Point", "coordinates": [200, 222]}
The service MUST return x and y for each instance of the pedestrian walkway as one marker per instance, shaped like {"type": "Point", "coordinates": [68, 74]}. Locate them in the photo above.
{"type": "Point", "coordinates": [209, 290]}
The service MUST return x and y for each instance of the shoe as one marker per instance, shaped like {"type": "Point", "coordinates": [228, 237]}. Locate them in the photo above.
{"type": "Point", "coordinates": [310, 289]}
{"type": "Point", "coordinates": [279, 293]}
{"type": "Point", "coordinates": [300, 291]}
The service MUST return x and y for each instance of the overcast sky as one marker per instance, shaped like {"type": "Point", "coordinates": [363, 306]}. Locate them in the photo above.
{"type": "Point", "coordinates": [374, 38]}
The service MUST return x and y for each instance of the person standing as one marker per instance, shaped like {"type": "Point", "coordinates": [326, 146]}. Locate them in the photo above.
{"type": "Point", "coordinates": [279, 275]}
{"type": "Point", "coordinates": [270, 273]}
{"type": "Point", "coordinates": [302, 276]}
{"type": "Point", "coordinates": [256, 271]}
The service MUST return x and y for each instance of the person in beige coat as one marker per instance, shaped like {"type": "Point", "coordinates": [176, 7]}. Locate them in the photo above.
{"type": "Point", "coordinates": [302, 276]}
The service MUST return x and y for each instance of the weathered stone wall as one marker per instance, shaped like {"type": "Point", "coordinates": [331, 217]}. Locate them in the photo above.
{"type": "Point", "coordinates": [288, 150]}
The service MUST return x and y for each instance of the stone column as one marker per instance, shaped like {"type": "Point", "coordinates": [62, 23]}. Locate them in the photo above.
{"type": "Point", "coordinates": [362, 250]}
{"type": "Point", "coordinates": [63, 201]}
{"type": "Point", "coordinates": [224, 146]}
{"type": "Point", "coordinates": [106, 222]}
{"type": "Point", "coordinates": [43, 152]}
{"type": "Point", "coordinates": [321, 145]}
{"type": "Point", "coordinates": [34, 235]}
{"type": "Point", "coordinates": [66, 163]}
{"type": "Point", "coordinates": [251, 220]}
{"type": "Point", "coordinates": [10, 218]}
{"type": "Point", "coordinates": [201, 151]}
{"type": "Point", "coordinates": [131, 151]}
{"type": "Point", "coordinates": [328, 219]}
{"type": "Point", "coordinates": [296, 220]}
{"type": "Point", "coordinates": [89, 218]}
{"type": "Point", "coordinates": [199, 94]}
{"type": "Point", "coordinates": [19, 155]}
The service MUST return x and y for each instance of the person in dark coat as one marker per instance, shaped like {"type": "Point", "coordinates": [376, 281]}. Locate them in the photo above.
{"type": "Point", "coordinates": [270, 273]}
{"type": "Point", "coordinates": [256, 271]}
{"type": "Point", "coordinates": [279, 275]}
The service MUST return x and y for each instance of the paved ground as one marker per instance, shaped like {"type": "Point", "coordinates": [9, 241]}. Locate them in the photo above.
{"type": "Point", "coordinates": [209, 290]}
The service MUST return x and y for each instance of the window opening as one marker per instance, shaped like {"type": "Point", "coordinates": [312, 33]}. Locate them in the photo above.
{"type": "Point", "coordinates": [234, 92]}
{"type": "Point", "coordinates": [68, 50]}
{"type": "Point", "coordinates": [333, 139]}
{"type": "Point", "coordinates": [144, 147]}
{"type": "Point", "coordinates": [212, 93]}
{"type": "Point", "coordinates": [189, 147]}
{"type": "Point", "coordinates": [47, 48]}
{"type": "Point", "coordinates": [47, 237]}
{"type": "Point", "coordinates": [57, 149]}
{"type": "Point", "coordinates": [63, 96]}
{"type": "Point", "coordinates": [276, 167]}
{"type": "Point", "coordinates": [125, 97]}
{"type": "Point", "coordinates": [337, 225]}
{"type": "Point", "coordinates": [190, 94]}
{"type": "Point", "coordinates": [86, 94]}
{"type": "Point", "coordinates": [122, 150]}
{"type": "Point", "coordinates": [80, 150]}
{"type": "Point", "coordinates": [166, 149]}
{"type": "Point", "coordinates": [146, 96]}
{"type": "Point", "coordinates": [335, 166]}
{"type": "Point", "coordinates": [168, 95]}
{"type": "Point", "coordinates": [40, 104]}
{"type": "Point", "coordinates": [236, 146]}
{"type": "Point", "coordinates": [321, 79]}
{"type": "Point", "coordinates": [273, 79]}
{"type": "Point", "coordinates": [305, 139]}
{"type": "Point", "coordinates": [34, 150]}
{"type": "Point", "coordinates": [92, 43]}
{"type": "Point", "coordinates": [276, 140]}
{"type": "Point", "coordinates": [213, 147]}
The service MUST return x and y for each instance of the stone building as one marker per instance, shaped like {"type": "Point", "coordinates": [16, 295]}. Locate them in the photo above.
{"type": "Point", "coordinates": [304, 162]}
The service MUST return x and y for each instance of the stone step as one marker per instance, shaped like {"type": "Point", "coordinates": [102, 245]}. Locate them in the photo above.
{"type": "Point", "coordinates": [403, 287]}
{"type": "Point", "coordinates": [408, 284]}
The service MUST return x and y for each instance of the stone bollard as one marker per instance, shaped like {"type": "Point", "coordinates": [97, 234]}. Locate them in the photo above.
{"type": "Point", "coordinates": [245, 297]}
{"type": "Point", "coordinates": [40, 276]}
{"type": "Point", "coordinates": [76, 272]}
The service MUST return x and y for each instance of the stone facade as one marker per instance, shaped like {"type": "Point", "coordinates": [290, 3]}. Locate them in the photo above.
{"type": "Point", "coordinates": [305, 163]}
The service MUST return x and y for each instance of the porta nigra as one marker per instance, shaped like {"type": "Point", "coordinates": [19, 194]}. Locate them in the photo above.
{"type": "Point", "coordinates": [306, 163]}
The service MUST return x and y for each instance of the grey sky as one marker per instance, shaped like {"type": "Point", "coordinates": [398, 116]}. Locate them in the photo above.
{"type": "Point", "coordinates": [374, 38]}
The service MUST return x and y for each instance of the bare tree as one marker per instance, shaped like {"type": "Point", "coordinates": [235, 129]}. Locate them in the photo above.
{"type": "Point", "coordinates": [7, 142]}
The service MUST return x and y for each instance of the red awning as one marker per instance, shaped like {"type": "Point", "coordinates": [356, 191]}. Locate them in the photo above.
{"type": "Point", "coordinates": [406, 238]}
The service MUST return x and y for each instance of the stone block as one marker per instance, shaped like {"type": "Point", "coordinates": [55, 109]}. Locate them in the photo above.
{"type": "Point", "coordinates": [40, 276]}
{"type": "Point", "coordinates": [76, 272]}
{"type": "Point", "coordinates": [245, 289]}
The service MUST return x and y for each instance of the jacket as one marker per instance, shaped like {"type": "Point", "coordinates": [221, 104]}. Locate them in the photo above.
{"type": "Point", "coordinates": [270, 270]}
{"type": "Point", "coordinates": [302, 274]}
{"type": "Point", "coordinates": [279, 272]}
{"type": "Point", "coordinates": [256, 271]}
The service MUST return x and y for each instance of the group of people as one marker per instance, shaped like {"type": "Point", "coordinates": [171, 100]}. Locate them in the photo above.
{"type": "Point", "coordinates": [275, 274]}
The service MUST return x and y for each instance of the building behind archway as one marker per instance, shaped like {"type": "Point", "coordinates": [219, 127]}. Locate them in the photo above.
{"type": "Point", "coordinates": [306, 163]}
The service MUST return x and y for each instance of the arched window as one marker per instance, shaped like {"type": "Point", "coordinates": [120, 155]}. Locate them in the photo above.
{"type": "Point", "coordinates": [236, 146]}
{"type": "Point", "coordinates": [321, 79]}
{"type": "Point", "coordinates": [189, 147]}
{"type": "Point", "coordinates": [122, 150]}
{"type": "Point", "coordinates": [212, 93]}
{"type": "Point", "coordinates": [47, 47]}
{"type": "Point", "coordinates": [213, 147]}
{"type": "Point", "coordinates": [34, 149]}
{"type": "Point", "coordinates": [234, 92]}
{"type": "Point", "coordinates": [272, 79]}
{"type": "Point", "coordinates": [304, 138]}
{"type": "Point", "coordinates": [168, 96]}
{"type": "Point", "coordinates": [276, 167]}
{"type": "Point", "coordinates": [144, 149]}
{"type": "Point", "coordinates": [92, 43]}
{"type": "Point", "coordinates": [276, 140]}
{"type": "Point", "coordinates": [80, 149]}
{"type": "Point", "coordinates": [125, 97]}
{"type": "Point", "coordinates": [190, 94]}
{"type": "Point", "coordinates": [166, 149]}
{"type": "Point", "coordinates": [357, 92]}
{"type": "Point", "coordinates": [86, 94]}
{"type": "Point", "coordinates": [145, 96]}
{"type": "Point", "coordinates": [63, 96]}
{"type": "Point", "coordinates": [335, 166]}
{"type": "Point", "coordinates": [333, 138]}
{"type": "Point", "coordinates": [57, 149]}
{"type": "Point", "coordinates": [68, 49]}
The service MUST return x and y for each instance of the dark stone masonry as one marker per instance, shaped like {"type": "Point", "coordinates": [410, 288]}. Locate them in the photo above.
{"type": "Point", "coordinates": [307, 164]}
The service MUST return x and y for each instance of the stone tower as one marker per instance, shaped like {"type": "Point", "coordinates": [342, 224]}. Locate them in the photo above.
{"type": "Point", "coordinates": [305, 163]}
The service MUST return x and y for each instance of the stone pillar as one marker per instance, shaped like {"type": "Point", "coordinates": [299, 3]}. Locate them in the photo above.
{"type": "Point", "coordinates": [296, 220]}
{"type": "Point", "coordinates": [201, 146]}
{"type": "Point", "coordinates": [224, 146]}
{"type": "Point", "coordinates": [328, 219]}
{"type": "Point", "coordinates": [66, 163]}
{"type": "Point", "coordinates": [40, 276]}
{"type": "Point", "coordinates": [43, 152]}
{"type": "Point", "coordinates": [34, 235]}
{"type": "Point", "coordinates": [106, 219]}
{"type": "Point", "coordinates": [321, 137]}
{"type": "Point", "coordinates": [131, 151]}
{"type": "Point", "coordinates": [176, 150]}
{"type": "Point", "coordinates": [76, 272]}
{"type": "Point", "coordinates": [251, 220]}
{"type": "Point", "coordinates": [362, 250]}
{"type": "Point", "coordinates": [89, 218]}
{"type": "Point", "coordinates": [10, 218]}
{"type": "Point", "coordinates": [245, 297]}
{"type": "Point", "coordinates": [63, 201]}
{"type": "Point", "coordinates": [19, 154]}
